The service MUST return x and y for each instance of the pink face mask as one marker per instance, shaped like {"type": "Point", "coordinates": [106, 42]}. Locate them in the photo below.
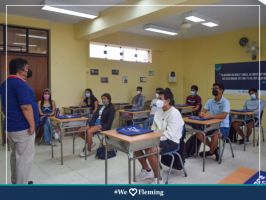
{"type": "Point", "coordinates": [46, 96]}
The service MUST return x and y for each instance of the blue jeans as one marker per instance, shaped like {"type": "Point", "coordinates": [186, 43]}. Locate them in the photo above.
{"type": "Point", "coordinates": [47, 131]}
{"type": "Point", "coordinates": [148, 122]}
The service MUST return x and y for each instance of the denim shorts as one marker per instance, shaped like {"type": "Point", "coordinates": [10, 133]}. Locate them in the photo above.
{"type": "Point", "coordinates": [223, 130]}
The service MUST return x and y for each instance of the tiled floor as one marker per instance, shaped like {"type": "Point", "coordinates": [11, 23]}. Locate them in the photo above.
{"type": "Point", "coordinates": [78, 171]}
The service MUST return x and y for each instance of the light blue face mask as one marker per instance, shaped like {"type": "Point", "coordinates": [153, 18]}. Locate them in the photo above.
{"type": "Point", "coordinates": [253, 97]}
{"type": "Point", "coordinates": [192, 92]}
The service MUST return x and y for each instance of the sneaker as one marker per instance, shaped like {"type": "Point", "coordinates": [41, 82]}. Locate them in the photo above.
{"type": "Point", "coordinates": [155, 181]}
{"type": "Point", "coordinates": [241, 141]}
{"type": "Point", "coordinates": [207, 153]}
{"type": "Point", "coordinates": [30, 182]}
{"type": "Point", "coordinates": [82, 154]}
{"type": "Point", "coordinates": [144, 174]}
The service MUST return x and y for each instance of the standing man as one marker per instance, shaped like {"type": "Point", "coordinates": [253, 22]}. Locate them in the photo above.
{"type": "Point", "coordinates": [21, 111]}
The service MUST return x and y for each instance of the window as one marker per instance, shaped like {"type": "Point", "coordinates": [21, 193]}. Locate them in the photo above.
{"type": "Point", "coordinates": [25, 40]}
{"type": "Point", "coordinates": [115, 52]}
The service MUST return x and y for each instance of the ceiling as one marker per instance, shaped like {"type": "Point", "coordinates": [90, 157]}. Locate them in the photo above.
{"type": "Point", "coordinates": [36, 11]}
{"type": "Point", "coordinates": [228, 18]}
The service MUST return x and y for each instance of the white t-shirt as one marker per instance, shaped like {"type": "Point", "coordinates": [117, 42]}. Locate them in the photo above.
{"type": "Point", "coordinates": [170, 123]}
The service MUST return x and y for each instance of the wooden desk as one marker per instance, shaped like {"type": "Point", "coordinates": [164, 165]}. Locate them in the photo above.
{"type": "Point", "coordinates": [132, 115]}
{"type": "Point", "coordinates": [184, 108]}
{"type": "Point", "coordinates": [128, 145]}
{"type": "Point", "coordinates": [64, 124]}
{"type": "Point", "coordinates": [207, 125]}
{"type": "Point", "coordinates": [239, 176]}
{"type": "Point", "coordinates": [242, 117]}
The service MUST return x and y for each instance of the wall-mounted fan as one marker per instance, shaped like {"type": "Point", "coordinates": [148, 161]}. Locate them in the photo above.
{"type": "Point", "coordinates": [252, 47]}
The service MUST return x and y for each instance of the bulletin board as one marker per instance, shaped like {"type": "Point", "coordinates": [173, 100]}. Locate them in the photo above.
{"type": "Point", "coordinates": [239, 77]}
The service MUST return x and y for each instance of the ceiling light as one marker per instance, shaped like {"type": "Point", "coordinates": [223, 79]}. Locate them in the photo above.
{"type": "Point", "coordinates": [263, 1]}
{"type": "Point", "coordinates": [194, 19]}
{"type": "Point", "coordinates": [32, 36]}
{"type": "Point", "coordinates": [210, 24]}
{"type": "Point", "coordinates": [75, 11]}
{"type": "Point", "coordinates": [159, 29]}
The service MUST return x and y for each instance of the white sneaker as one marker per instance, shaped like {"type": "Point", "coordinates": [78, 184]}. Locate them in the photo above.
{"type": "Point", "coordinates": [155, 181]}
{"type": "Point", "coordinates": [82, 154]}
{"type": "Point", "coordinates": [144, 174]}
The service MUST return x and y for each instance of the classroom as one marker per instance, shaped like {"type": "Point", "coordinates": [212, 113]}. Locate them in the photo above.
{"type": "Point", "coordinates": [124, 52]}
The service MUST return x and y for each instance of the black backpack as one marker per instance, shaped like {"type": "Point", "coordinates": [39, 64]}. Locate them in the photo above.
{"type": "Point", "coordinates": [190, 146]}
{"type": "Point", "coordinates": [100, 153]}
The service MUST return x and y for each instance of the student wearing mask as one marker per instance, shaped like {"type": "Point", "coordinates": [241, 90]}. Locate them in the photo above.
{"type": "Point", "coordinates": [90, 100]}
{"type": "Point", "coordinates": [217, 108]}
{"type": "Point", "coordinates": [101, 121]}
{"type": "Point", "coordinates": [47, 108]}
{"type": "Point", "coordinates": [253, 104]}
{"type": "Point", "coordinates": [148, 122]}
{"type": "Point", "coordinates": [138, 101]}
{"type": "Point", "coordinates": [169, 122]}
{"type": "Point", "coordinates": [194, 100]}
{"type": "Point", "coordinates": [22, 116]}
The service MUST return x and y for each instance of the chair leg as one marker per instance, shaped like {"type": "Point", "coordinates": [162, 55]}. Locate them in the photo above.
{"type": "Point", "coordinates": [222, 152]}
{"type": "Point", "coordinates": [262, 132]}
{"type": "Point", "coordinates": [170, 168]}
{"type": "Point", "coordinates": [233, 155]}
{"type": "Point", "coordinates": [182, 164]}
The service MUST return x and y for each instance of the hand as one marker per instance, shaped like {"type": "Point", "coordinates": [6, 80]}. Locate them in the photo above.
{"type": "Point", "coordinates": [202, 114]}
{"type": "Point", "coordinates": [31, 130]}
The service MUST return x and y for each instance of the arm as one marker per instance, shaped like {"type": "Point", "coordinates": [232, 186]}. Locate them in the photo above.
{"type": "Point", "coordinates": [111, 116]}
{"type": "Point", "coordinates": [28, 114]}
{"type": "Point", "coordinates": [39, 107]}
{"type": "Point", "coordinates": [82, 103]}
{"type": "Point", "coordinates": [96, 105]}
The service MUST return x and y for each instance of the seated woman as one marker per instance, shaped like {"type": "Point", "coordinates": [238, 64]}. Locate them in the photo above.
{"type": "Point", "coordinates": [90, 100]}
{"type": "Point", "coordinates": [101, 121]}
{"type": "Point", "coordinates": [169, 122]}
{"type": "Point", "coordinates": [47, 108]}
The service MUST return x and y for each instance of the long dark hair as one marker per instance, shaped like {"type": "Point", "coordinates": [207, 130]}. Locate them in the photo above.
{"type": "Point", "coordinates": [92, 97]}
{"type": "Point", "coordinates": [50, 98]}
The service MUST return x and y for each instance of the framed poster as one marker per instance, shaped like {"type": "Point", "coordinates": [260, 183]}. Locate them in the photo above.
{"type": "Point", "coordinates": [94, 72]}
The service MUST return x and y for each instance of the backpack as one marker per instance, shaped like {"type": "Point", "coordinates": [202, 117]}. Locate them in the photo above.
{"type": "Point", "coordinates": [190, 146]}
{"type": "Point", "coordinates": [100, 153]}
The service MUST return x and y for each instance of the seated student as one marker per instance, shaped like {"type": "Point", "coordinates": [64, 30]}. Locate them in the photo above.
{"type": "Point", "coordinates": [101, 121]}
{"type": "Point", "coordinates": [47, 108]}
{"type": "Point", "coordinates": [138, 101]}
{"type": "Point", "coordinates": [169, 122]}
{"type": "Point", "coordinates": [253, 104]}
{"type": "Point", "coordinates": [218, 108]}
{"type": "Point", "coordinates": [148, 122]}
{"type": "Point", "coordinates": [194, 100]}
{"type": "Point", "coordinates": [90, 100]}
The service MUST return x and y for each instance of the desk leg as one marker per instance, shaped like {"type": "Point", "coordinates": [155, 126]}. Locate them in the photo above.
{"type": "Point", "coordinates": [204, 151]}
{"type": "Point", "coordinates": [61, 145]}
{"type": "Point", "coordinates": [129, 169]}
{"type": "Point", "coordinates": [158, 165]}
{"type": "Point", "coordinates": [245, 135]}
{"type": "Point", "coordinates": [106, 165]}
{"type": "Point", "coordinates": [85, 138]}
{"type": "Point", "coordinates": [254, 136]}
{"type": "Point", "coordinates": [74, 143]}
{"type": "Point", "coordinates": [52, 149]}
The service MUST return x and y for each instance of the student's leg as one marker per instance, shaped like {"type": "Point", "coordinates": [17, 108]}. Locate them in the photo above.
{"type": "Point", "coordinates": [153, 160]}
{"type": "Point", "coordinates": [236, 125]}
{"type": "Point", "coordinates": [90, 132]}
{"type": "Point", "coordinates": [142, 161]}
{"type": "Point", "coordinates": [47, 132]}
{"type": "Point", "coordinates": [214, 143]}
{"type": "Point", "coordinates": [250, 126]}
{"type": "Point", "coordinates": [201, 138]}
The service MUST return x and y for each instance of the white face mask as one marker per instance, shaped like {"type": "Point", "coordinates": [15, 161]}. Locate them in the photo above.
{"type": "Point", "coordinates": [159, 103]}
{"type": "Point", "coordinates": [138, 92]}
{"type": "Point", "coordinates": [253, 96]}
{"type": "Point", "coordinates": [87, 94]}
{"type": "Point", "coordinates": [157, 95]}
{"type": "Point", "coordinates": [192, 92]}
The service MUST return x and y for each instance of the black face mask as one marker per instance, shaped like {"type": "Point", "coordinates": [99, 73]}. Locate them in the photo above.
{"type": "Point", "coordinates": [29, 74]}
{"type": "Point", "coordinates": [215, 93]}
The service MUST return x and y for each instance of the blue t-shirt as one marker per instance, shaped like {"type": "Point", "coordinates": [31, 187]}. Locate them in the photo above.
{"type": "Point", "coordinates": [18, 93]}
{"type": "Point", "coordinates": [218, 107]}
{"type": "Point", "coordinates": [255, 105]}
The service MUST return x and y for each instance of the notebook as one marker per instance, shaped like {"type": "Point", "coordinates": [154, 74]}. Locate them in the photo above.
{"type": "Point", "coordinates": [199, 118]}
{"type": "Point", "coordinates": [67, 116]}
{"type": "Point", "coordinates": [181, 105]}
{"type": "Point", "coordinates": [133, 110]}
{"type": "Point", "coordinates": [133, 130]}
{"type": "Point", "coordinates": [235, 110]}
